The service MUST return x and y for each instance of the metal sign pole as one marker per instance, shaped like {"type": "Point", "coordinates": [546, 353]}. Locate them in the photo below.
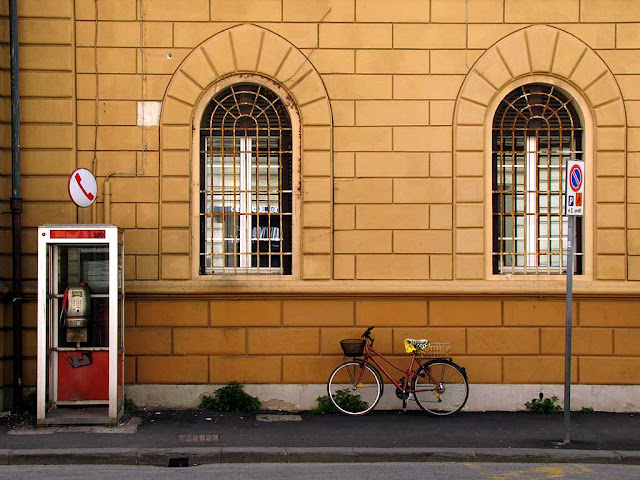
{"type": "Point", "coordinates": [567, 345]}
{"type": "Point", "coordinates": [574, 193]}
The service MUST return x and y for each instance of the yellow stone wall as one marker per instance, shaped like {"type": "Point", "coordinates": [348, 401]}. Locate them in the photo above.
{"type": "Point", "coordinates": [296, 339]}
{"type": "Point", "coordinates": [394, 103]}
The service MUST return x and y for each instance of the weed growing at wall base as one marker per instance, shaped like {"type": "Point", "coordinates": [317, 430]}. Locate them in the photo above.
{"type": "Point", "coordinates": [543, 405]}
{"type": "Point", "coordinates": [344, 398]}
{"type": "Point", "coordinates": [129, 404]}
{"type": "Point", "coordinates": [231, 398]}
{"type": "Point", "coordinates": [324, 406]}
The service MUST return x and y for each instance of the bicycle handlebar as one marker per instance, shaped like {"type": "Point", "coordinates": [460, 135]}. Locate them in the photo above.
{"type": "Point", "coordinates": [367, 333]}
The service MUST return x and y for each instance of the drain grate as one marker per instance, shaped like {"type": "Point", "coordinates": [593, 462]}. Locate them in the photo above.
{"type": "Point", "coordinates": [179, 462]}
{"type": "Point", "coordinates": [207, 438]}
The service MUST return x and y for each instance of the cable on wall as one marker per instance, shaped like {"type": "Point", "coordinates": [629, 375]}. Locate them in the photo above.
{"type": "Point", "coordinates": [143, 146]}
{"type": "Point", "coordinates": [94, 162]}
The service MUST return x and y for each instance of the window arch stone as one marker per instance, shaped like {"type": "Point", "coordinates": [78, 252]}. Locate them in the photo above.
{"type": "Point", "coordinates": [244, 52]}
{"type": "Point", "coordinates": [534, 54]}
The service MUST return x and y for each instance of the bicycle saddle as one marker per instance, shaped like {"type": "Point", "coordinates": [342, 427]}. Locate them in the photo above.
{"type": "Point", "coordinates": [416, 345]}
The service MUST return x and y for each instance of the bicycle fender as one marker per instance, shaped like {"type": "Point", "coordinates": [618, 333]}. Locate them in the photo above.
{"type": "Point", "coordinates": [449, 362]}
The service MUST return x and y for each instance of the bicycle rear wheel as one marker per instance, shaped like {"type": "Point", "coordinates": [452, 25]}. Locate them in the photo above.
{"type": "Point", "coordinates": [352, 393]}
{"type": "Point", "coordinates": [441, 387]}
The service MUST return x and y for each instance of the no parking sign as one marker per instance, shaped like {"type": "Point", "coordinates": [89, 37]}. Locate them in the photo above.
{"type": "Point", "coordinates": [574, 190]}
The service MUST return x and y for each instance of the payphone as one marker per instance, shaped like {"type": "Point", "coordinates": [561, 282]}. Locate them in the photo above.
{"type": "Point", "coordinates": [80, 324]}
{"type": "Point", "coordinates": [76, 309]}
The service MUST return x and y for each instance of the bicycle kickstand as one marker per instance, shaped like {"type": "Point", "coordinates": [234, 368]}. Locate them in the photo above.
{"type": "Point", "coordinates": [405, 401]}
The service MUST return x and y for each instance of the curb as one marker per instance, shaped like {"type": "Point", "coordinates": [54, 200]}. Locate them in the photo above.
{"type": "Point", "coordinates": [188, 456]}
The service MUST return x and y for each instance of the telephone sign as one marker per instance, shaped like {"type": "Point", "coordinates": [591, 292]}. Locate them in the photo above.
{"type": "Point", "coordinates": [574, 189]}
{"type": "Point", "coordinates": [82, 187]}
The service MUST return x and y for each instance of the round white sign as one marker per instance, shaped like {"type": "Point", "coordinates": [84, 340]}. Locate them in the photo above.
{"type": "Point", "coordinates": [82, 187]}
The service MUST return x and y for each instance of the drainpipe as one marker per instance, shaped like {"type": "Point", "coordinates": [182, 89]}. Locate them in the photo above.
{"type": "Point", "coordinates": [16, 208]}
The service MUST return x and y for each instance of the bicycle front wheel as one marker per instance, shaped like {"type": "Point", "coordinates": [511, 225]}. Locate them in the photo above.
{"type": "Point", "coordinates": [354, 389]}
{"type": "Point", "coordinates": [441, 387]}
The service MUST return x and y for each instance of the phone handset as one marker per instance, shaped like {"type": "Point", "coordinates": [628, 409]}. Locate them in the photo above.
{"type": "Point", "coordinates": [65, 297]}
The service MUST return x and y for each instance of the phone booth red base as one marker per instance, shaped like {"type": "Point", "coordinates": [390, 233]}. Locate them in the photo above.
{"type": "Point", "coordinates": [78, 382]}
{"type": "Point", "coordinates": [80, 362]}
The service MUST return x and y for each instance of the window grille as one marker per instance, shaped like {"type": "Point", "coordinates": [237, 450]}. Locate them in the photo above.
{"type": "Point", "coordinates": [245, 183]}
{"type": "Point", "coordinates": [536, 130]}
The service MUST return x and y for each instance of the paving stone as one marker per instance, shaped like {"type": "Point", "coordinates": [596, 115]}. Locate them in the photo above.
{"type": "Point", "coordinates": [320, 455]}
{"type": "Point", "coordinates": [131, 426]}
{"type": "Point", "coordinates": [212, 437]}
{"type": "Point", "coordinates": [627, 457]}
{"type": "Point", "coordinates": [278, 418]}
{"type": "Point", "coordinates": [362, 455]}
{"type": "Point", "coordinates": [254, 455]}
{"type": "Point", "coordinates": [583, 456]}
{"type": "Point", "coordinates": [523, 455]}
{"type": "Point", "coordinates": [65, 456]}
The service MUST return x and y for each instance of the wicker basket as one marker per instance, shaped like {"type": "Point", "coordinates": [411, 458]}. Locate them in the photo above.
{"type": "Point", "coordinates": [436, 350]}
{"type": "Point", "coordinates": [352, 347]}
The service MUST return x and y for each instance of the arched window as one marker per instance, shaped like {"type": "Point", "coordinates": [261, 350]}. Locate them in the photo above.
{"type": "Point", "coordinates": [536, 129]}
{"type": "Point", "coordinates": [245, 183]}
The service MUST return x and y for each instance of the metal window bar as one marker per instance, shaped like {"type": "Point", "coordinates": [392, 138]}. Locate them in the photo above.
{"type": "Point", "coordinates": [245, 134]}
{"type": "Point", "coordinates": [536, 130]}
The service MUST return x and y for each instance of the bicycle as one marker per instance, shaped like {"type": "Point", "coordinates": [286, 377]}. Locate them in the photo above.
{"type": "Point", "coordinates": [438, 385]}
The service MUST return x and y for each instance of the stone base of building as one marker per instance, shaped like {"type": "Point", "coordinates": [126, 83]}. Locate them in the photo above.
{"type": "Point", "coordinates": [482, 397]}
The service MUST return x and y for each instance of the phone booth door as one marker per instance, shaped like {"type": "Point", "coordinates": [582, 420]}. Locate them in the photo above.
{"type": "Point", "coordinates": [80, 289]}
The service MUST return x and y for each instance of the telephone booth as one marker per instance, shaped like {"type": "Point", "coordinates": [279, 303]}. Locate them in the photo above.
{"type": "Point", "coordinates": [80, 369]}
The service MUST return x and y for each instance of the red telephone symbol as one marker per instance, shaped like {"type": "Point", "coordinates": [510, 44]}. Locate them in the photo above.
{"type": "Point", "coordinates": [89, 195]}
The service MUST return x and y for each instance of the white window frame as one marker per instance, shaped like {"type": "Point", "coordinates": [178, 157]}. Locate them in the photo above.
{"type": "Point", "coordinates": [531, 202]}
{"type": "Point", "coordinates": [245, 201]}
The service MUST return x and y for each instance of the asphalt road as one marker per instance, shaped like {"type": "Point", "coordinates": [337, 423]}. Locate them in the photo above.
{"type": "Point", "coordinates": [319, 471]}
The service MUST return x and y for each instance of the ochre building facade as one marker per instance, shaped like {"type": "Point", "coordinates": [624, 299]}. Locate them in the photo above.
{"type": "Point", "coordinates": [407, 197]}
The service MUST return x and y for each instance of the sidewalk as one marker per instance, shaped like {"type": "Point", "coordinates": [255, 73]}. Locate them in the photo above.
{"type": "Point", "coordinates": [188, 437]}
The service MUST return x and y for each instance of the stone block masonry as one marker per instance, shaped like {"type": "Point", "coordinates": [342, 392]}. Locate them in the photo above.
{"type": "Point", "coordinates": [392, 109]}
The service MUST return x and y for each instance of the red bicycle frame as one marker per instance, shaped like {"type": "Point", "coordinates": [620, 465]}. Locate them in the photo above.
{"type": "Point", "coordinates": [409, 374]}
